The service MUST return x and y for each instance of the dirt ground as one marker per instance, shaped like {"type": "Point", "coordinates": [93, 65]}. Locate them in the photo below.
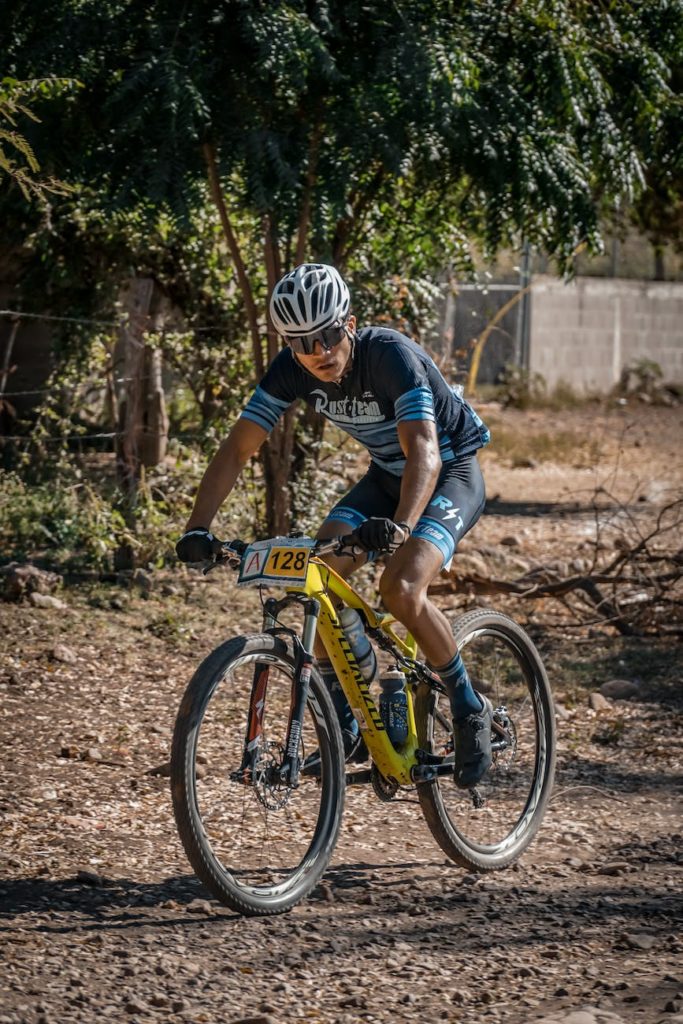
{"type": "Point", "coordinates": [101, 918]}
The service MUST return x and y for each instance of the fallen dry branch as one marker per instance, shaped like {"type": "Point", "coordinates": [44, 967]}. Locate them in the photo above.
{"type": "Point", "coordinates": [636, 590]}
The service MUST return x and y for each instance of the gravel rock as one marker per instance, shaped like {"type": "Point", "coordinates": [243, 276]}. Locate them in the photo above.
{"type": "Point", "coordinates": [599, 703]}
{"type": "Point", "coordinates": [585, 1015]}
{"type": "Point", "coordinates": [21, 581]}
{"type": "Point", "coordinates": [64, 654]}
{"type": "Point", "coordinates": [89, 877]}
{"type": "Point", "coordinates": [620, 689]}
{"type": "Point", "coordinates": [46, 601]}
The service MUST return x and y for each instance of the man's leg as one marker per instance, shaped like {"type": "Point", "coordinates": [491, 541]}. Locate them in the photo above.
{"type": "Point", "coordinates": [404, 593]}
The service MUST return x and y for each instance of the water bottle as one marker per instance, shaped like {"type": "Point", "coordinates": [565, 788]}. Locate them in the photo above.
{"type": "Point", "coordinates": [393, 705]}
{"type": "Point", "coordinates": [361, 647]}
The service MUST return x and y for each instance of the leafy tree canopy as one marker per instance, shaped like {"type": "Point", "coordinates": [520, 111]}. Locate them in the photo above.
{"type": "Point", "coordinates": [523, 113]}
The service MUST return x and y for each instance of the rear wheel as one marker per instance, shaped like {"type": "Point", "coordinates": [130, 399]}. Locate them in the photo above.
{"type": "Point", "coordinates": [258, 845]}
{"type": "Point", "coordinates": [487, 828]}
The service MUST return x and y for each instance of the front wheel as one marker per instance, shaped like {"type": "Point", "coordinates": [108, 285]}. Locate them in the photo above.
{"type": "Point", "coordinates": [257, 844]}
{"type": "Point", "coordinates": [487, 828]}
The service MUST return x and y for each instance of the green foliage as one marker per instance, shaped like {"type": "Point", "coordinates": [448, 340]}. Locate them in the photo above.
{"type": "Point", "coordinates": [519, 117]}
{"type": "Point", "coordinates": [18, 162]}
{"type": "Point", "coordinates": [70, 524]}
{"type": "Point", "coordinates": [381, 137]}
{"type": "Point", "coordinates": [520, 389]}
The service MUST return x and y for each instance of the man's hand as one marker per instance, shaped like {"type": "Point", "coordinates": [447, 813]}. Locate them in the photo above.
{"type": "Point", "coordinates": [377, 534]}
{"type": "Point", "coordinates": [196, 545]}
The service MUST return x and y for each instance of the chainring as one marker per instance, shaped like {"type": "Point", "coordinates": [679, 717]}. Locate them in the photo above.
{"type": "Point", "coordinates": [385, 789]}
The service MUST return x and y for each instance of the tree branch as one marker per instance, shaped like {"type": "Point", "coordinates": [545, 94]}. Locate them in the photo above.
{"type": "Point", "coordinates": [245, 286]}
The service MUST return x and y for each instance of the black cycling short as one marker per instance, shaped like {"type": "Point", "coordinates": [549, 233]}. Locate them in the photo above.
{"type": "Point", "coordinates": [453, 509]}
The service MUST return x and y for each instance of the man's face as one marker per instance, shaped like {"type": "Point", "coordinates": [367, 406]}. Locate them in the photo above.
{"type": "Point", "coordinates": [329, 365]}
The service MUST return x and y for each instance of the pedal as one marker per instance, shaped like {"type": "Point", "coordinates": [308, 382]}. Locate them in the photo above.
{"type": "Point", "coordinates": [361, 778]}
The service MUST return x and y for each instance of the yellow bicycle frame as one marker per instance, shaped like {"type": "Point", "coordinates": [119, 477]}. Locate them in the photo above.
{"type": "Point", "coordinates": [321, 583]}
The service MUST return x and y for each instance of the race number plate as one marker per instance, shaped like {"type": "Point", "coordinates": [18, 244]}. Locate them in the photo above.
{"type": "Point", "coordinates": [278, 562]}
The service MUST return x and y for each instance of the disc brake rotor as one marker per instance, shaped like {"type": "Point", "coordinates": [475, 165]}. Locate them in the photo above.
{"type": "Point", "coordinates": [270, 789]}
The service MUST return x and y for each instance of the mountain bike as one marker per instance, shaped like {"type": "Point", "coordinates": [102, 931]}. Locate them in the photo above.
{"type": "Point", "coordinates": [258, 833]}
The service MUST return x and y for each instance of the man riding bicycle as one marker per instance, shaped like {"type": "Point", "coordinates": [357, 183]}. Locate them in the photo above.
{"type": "Point", "coordinates": [422, 493]}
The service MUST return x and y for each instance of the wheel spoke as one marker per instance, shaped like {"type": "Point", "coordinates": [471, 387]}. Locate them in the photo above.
{"type": "Point", "coordinates": [259, 844]}
{"type": "Point", "coordinates": [490, 826]}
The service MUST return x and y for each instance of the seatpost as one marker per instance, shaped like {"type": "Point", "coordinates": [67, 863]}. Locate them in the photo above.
{"type": "Point", "coordinates": [302, 679]}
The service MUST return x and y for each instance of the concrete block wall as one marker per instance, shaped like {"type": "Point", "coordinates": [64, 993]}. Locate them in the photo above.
{"type": "Point", "coordinates": [586, 331]}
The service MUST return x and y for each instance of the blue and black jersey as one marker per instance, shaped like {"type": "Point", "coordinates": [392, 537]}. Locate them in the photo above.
{"type": "Point", "coordinates": [392, 380]}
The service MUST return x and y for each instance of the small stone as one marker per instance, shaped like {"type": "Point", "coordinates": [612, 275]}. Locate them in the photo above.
{"type": "Point", "coordinates": [163, 770]}
{"type": "Point", "coordinates": [70, 751]}
{"type": "Point", "coordinates": [93, 754]}
{"type": "Point", "coordinates": [260, 1019]}
{"type": "Point", "coordinates": [46, 601]}
{"type": "Point", "coordinates": [143, 580]}
{"type": "Point", "coordinates": [132, 1006]}
{"type": "Point", "coordinates": [561, 991]}
{"type": "Point", "coordinates": [89, 878]}
{"type": "Point", "coordinates": [561, 712]}
{"type": "Point", "coordinates": [598, 703]}
{"type": "Point", "coordinates": [673, 1006]}
{"type": "Point", "coordinates": [511, 541]}
{"type": "Point", "coordinates": [615, 867]}
{"type": "Point", "coordinates": [327, 892]}
{"type": "Point", "coordinates": [620, 689]}
{"type": "Point", "coordinates": [638, 940]}
{"type": "Point", "coordinates": [199, 907]}
{"type": "Point", "coordinates": [158, 999]}
{"type": "Point", "coordinates": [459, 996]}
{"type": "Point", "coordinates": [64, 654]}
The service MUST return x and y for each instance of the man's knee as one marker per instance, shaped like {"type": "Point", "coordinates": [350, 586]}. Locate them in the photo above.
{"type": "Point", "coordinates": [400, 596]}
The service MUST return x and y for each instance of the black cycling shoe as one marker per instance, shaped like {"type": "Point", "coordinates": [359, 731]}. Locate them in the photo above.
{"type": "Point", "coordinates": [473, 745]}
{"type": "Point", "coordinates": [355, 752]}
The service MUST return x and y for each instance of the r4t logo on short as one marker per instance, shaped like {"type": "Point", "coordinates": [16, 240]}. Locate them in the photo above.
{"type": "Point", "coordinates": [447, 505]}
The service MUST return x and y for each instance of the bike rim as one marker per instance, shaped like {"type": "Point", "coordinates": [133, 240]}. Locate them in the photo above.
{"type": "Point", "coordinates": [264, 838]}
{"type": "Point", "coordinates": [502, 811]}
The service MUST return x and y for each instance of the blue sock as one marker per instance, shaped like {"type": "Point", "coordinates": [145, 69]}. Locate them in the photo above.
{"type": "Point", "coordinates": [344, 713]}
{"type": "Point", "coordinates": [464, 700]}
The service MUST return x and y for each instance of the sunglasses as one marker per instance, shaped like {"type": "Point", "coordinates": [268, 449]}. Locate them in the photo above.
{"type": "Point", "coordinates": [304, 344]}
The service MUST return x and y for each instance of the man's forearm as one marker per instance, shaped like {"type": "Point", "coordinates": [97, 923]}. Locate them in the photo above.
{"type": "Point", "coordinates": [417, 485]}
{"type": "Point", "coordinates": [216, 484]}
{"type": "Point", "coordinates": [221, 474]}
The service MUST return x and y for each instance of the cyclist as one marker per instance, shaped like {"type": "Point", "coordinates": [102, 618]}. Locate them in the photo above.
{"type": "Point", "coordinates": [422, 493]}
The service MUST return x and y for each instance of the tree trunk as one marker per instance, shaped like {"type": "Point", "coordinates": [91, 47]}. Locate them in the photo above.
{"type": "Point", "coordinates": [660, 270]}
{"type": "Point", "coordinates": [276, 458]}
{"type": "Point", "coordinates": [142, 422]}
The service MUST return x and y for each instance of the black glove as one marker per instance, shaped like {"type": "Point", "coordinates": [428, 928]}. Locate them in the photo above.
{"type": "Point", "coordinates": [196, 545]}
{"type": "Point", "coordinates": [379, 535]}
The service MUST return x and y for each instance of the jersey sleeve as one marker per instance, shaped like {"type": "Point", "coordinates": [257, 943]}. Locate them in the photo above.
{"type": "Point", "coordinates": [405, 382]}
{"type": "Point", "coordinates": [274, 394]}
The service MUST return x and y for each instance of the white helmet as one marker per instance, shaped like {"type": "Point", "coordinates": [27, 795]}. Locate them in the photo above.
{"type": "Point", "coordinates": [309, 298]}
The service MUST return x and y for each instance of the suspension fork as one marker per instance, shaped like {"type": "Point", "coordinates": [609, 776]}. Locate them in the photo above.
{"type": "Point", "coordinates": [289, 771]}
{"type": "Point", "coordinates": [257, 702]}
{"type": "Point", "coordinates": [253, 741]}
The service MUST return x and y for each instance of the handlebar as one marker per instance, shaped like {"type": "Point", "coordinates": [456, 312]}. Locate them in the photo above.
{"type": "Point", "coordinates": [230, 552]}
